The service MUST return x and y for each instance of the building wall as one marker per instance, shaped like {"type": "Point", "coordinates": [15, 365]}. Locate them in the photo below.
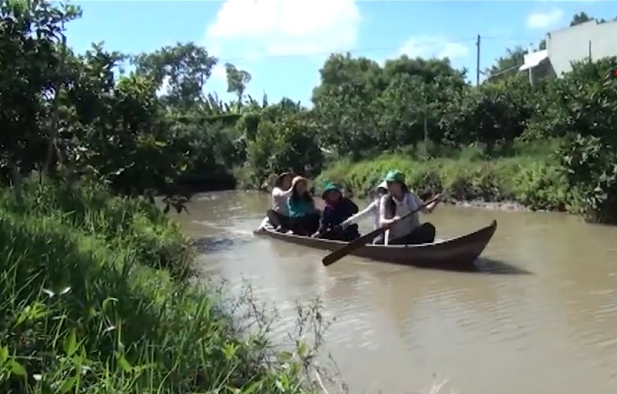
{"type": "Point", "coordinates": [543, 71]}
{"type": "Point", "coordinates": [578, 42]}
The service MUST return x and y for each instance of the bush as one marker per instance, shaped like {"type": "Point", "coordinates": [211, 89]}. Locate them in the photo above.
{"type": "Point", "coordinates": [84, 310]}
{"type": "Point", "coordinates": [533, 181]}
{"type": "Point", "coordinates": [91, 208]}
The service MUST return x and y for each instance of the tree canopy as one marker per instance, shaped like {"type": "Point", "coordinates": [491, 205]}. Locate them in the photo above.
{"type": "Point", "coordinates": [156, 126]}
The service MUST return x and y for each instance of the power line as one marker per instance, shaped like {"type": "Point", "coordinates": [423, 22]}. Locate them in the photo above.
{"type": "Point", "coordinates": [434, 43]}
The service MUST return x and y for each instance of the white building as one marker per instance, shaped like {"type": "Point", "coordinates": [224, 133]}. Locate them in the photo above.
{"type": "Point", "coordinates": [589, 40]}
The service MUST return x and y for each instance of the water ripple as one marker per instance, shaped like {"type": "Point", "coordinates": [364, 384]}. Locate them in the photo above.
{"type": "Point", "coordinates": [397, 326]}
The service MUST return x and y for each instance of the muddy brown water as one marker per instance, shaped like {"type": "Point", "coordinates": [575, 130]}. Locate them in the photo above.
{"type": "Point", "coordinates": [400, 329]}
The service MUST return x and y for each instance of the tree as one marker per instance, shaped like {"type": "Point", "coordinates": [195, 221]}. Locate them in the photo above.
{"type": "Point", "coordinates": [237, 81]}
{"type": "Point", "coordinates": [30, 34]}
{"type": "Point", "coordinates": [426, 70]}
{"type": "Point", "coordinates": [184, 68]}
{"type": "Point", "coordinates": [507, 65]}
{"type": "Point", "coordinates": [580, 18]}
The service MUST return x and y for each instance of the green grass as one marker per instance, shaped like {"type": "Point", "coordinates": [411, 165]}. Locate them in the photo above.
{"type": "Point", "coordinates": [87, 308]}
{"type": "Point", "coordinates": [529, 177]}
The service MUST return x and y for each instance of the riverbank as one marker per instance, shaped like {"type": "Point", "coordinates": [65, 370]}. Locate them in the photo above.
{"type": "Point", "coordinates": [93, 301]}
{"type": "Point", "coordinates": [511, 183]}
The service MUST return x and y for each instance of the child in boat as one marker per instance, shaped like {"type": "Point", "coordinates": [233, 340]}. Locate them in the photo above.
{"type": "Point", "coordinates": [338, 208]}
{"type": "Point", "coordinates": [371, 209]}
{"type": "Point", "coordinates": [278, 216]}
{"type": "Point", "coordinates": [303, 216]}
{"type": "Point", "coordinates": [397, 203]}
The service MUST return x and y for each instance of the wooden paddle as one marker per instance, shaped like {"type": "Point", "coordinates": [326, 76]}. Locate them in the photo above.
{"type": "Point", "coordinates": [360, 242]}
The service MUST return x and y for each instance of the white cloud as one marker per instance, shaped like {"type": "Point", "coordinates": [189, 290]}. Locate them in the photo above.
{"type": "Point", "coordinates": [219, 73]}
{"type": "Point", "coordinates": [433, 47]}
{"type": "Point", "coordinates": [164, 88]}
{"type": "Point", "coordinates": [543, 20]}
{"type": "Point", "coordinates": [284, 27]}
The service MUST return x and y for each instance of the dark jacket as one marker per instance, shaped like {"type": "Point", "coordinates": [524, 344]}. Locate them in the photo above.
{"type": "Point", "coordinates": [334, 215]}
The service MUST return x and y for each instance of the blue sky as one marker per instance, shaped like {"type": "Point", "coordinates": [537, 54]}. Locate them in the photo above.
{"type": "Point", "coordinates": [283, 43]}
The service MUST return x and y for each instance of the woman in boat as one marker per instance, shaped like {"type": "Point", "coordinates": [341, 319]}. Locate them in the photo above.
{"type": "Point", "coordinates": [397, 203]}
{"type": "Point", "coordinates": [372, 209]}
{"type": "Point", "coordinates": [278, 216]}
{"type": "Point", "coordinates": [303, 216]}
{"type": "Point", "coordinates": [338, 208]}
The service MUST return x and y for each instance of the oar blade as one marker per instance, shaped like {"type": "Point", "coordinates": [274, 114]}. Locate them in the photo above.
{"type": "Point", "coordinates": [345, 250]}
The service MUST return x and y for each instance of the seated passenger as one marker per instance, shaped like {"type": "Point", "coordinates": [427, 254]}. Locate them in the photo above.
{"type": "Point", "coordinates": [303, 216]}
{"type": "Point", "coordinates": [338, 208]}
{"type": "Point", "coordinates": [397, 203]}
{"type": "Point", "coordinates": [372, 209]}
{"type": "Point", "coordinates": [278, 216]}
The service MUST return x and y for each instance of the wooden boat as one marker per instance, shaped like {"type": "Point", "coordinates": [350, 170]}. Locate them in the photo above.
{"type": "Point", "coordinates": [454, 254]}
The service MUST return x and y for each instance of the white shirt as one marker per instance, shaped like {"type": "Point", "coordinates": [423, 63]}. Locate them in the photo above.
{"type": "Point", "coordinates": [373, 208]}
{"type": "Point", "coordinates": [411, 202]}
{"type": "Point", "coordinates": [279, 200]}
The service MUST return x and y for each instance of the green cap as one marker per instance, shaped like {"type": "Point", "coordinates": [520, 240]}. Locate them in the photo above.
{"type": "Point", "coordinates": [395, 176]}
{"type": "Point", "coordinates": [329, 187]}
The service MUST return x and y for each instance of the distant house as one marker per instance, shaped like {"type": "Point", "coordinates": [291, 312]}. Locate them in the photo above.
{"type": "Point", "coordinates": [589, 40]}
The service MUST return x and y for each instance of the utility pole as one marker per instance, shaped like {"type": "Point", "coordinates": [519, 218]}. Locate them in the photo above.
{"type": "Point", "coordinates": [478, 60]}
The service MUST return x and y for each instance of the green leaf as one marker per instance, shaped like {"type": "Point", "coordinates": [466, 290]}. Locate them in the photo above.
{"type": "Point", "coordinates": [253, 387]}
{"type": "Point", "coordinates": [70, 344]}
{"type": "Point", "coordinates": [123, 363]}
{"type": "Point", "coordinates": [4, 354]}
{"type": "Point", "coordinates": [16, 368]}
{"type": "Point", "coordinates": [68, 385]}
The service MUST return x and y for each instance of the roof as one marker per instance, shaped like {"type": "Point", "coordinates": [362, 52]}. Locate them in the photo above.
{"type": "Point", "coordinates": [534, 59]}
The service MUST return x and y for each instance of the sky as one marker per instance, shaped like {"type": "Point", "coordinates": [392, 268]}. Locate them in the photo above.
{"type": "Point", "coordinates": [283, 43]}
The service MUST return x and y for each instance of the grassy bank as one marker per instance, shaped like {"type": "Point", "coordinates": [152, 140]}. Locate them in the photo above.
{"type": "Point", "coordinates": [525, 175]}
{"type": "Point", "coordinates": [90, 304]}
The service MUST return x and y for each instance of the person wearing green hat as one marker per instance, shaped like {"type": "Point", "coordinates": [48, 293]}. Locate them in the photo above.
{"type": "Point", "coordinates": [337, 209]}
{"type": "Point", "coordinates": [399, 202]}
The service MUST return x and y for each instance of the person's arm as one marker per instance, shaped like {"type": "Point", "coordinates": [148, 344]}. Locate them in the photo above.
{"type": "Point", "coordinates": [366, 211]}
{"type": "Point", "coordinates": [290, 208]}
{"type": "Point", "coordinates": [429, 208]}
{"type": "Point", "coordinates": [278, 192]}
{"type": "Point", "coordinates": [354, 207]}
{"type": "Point", "coordinates": [324, 223]}
{"type": "Point", "coordinates": [383, 221]}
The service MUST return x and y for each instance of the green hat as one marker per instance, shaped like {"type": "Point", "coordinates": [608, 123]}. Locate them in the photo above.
{"type": "Point", "coordinates": [395, 176]}
{"type": "Point", "coordinates": [328, 188]}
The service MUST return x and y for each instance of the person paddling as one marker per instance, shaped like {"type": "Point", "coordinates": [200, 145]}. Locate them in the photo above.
{"type": "Point", "coordinates": [372, 209]}
{"type": "Point", "coordinates": [337, 209]}
{"type": "Point", "coordinates": [397, 203]}
{"type": "Point", "coordinates": [278, 216]}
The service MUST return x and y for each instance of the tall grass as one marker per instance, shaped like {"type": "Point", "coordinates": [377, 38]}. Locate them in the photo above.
{"type": "Point", "coordinates": [91, 209]}
{"type": "Point", "coordinates": [521, 173]}
{"type": "Point", "coordinates": [86, 308]}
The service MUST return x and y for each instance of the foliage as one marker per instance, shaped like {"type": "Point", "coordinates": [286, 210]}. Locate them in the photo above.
{"type": "Point", "coordinates": [531, 180]}
{"type": "Point", "coordinates": [88, 206]}
{"type": "Point", "coordinates": [85, 312]}
{"type": "Point", "coordinates": [155, 128]}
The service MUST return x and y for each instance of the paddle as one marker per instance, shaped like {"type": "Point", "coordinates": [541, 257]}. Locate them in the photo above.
{"type": "Point", "coordinates": [360, 242]}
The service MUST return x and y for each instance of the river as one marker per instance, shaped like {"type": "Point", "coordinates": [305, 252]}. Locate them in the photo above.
{"type": "Point", "coordinates": [400, 329]}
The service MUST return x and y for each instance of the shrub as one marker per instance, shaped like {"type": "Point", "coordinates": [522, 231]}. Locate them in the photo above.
{"type": "Point", "coordinates": [156, 241]}
{"type": "Point", "coordinates": [532, 180]}
{"type": "Point", "coordinates": [82, 313]}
